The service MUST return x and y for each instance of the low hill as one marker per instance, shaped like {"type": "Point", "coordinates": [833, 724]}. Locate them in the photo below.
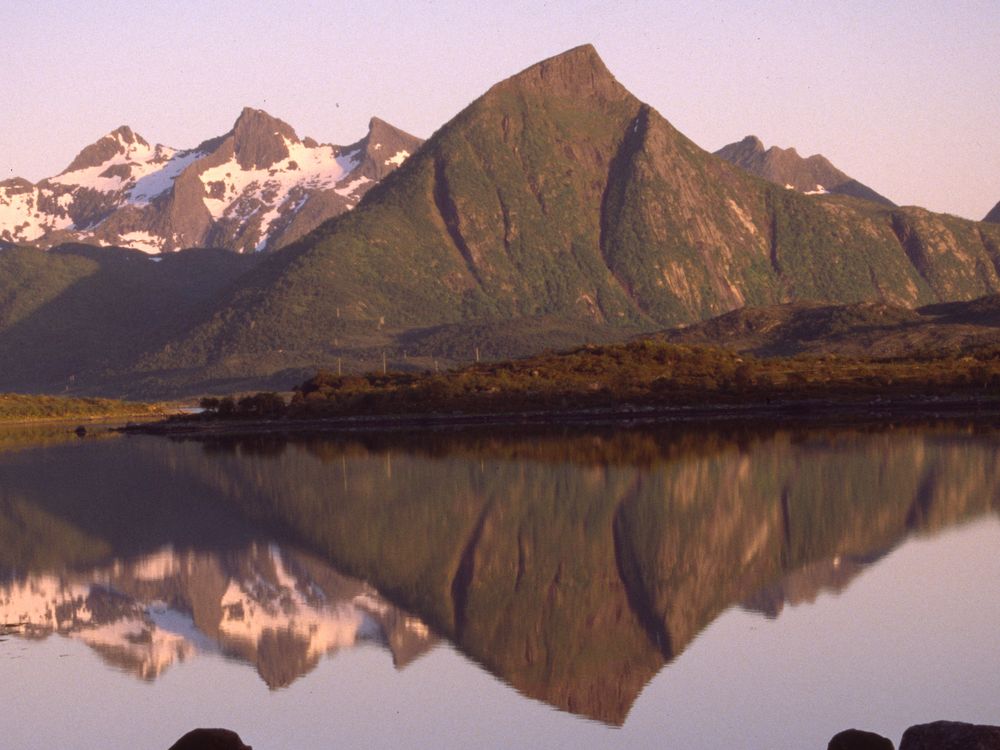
{"type": "Point", "coordinates": [866, 329]}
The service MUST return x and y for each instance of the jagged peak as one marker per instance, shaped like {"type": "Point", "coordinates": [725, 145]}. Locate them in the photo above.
{"type": "Point", "coordinates": [259, 139]}
{"type": "Point", "coordinates": [124, 134]}
{"type": "Point", "coordinates": [106, 147]}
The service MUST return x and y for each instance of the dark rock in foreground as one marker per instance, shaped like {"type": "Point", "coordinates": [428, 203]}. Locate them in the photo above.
{"type": "Point", "coordinates": [951, 735]}
{"type": "Point", "coordinates": [857, 739]}
{"type": "Point", "coordinates": [210, 739]}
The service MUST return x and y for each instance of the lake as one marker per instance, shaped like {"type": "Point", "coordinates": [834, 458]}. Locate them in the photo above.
{"type": "Point", "coordinates": [697, 587]}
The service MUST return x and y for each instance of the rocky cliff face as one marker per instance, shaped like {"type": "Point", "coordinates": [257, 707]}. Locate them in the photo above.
{"type": "Point", "coordinates": [257, 187]}
{"type": "Point", "coordinates": [813, 175]}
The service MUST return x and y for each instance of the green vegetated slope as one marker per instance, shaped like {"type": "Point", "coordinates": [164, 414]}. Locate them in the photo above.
{"type": "Point", "coordinates": [555, 209]}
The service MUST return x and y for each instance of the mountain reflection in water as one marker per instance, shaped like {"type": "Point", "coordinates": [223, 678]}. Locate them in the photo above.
{"type": "Point", "coordinates": [572, 564]}
{"type": "Point", "coordinates": [280, 611]}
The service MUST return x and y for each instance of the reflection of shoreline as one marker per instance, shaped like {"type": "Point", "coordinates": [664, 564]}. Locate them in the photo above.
{"type": "Point", "coordinates": [279, 611]}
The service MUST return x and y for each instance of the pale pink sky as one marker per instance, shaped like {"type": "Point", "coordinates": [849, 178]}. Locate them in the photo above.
{"type": "Point", "coordinates": [905, 98]}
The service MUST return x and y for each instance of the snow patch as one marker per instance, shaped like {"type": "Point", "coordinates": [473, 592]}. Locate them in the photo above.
{"type": "Point", "coordinates": [144, 241]}
{"type": "Point", "coordinates": [350, 187]}
{"type": "Point", "coordinates": [319, 167]}
{"type": "Point", "coordinates": [398, 158]}
{"type": "Point", "coordinates": [159, 181]}
{"type": "Point", "coordinates": [21, 220]}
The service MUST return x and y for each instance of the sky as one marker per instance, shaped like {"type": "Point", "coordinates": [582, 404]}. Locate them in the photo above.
{"type": "Point", "coordinates": [904, 97]}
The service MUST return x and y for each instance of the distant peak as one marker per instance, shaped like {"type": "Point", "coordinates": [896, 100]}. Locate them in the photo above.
{"type": "Point", "coordinates": [126, 135]}
{"type": "Point", "coordinates": [753, 142]}
{"type": "Point", "coordinates": [259, 139]}
{"type": "Point", "coordinates": [379, 128]}
{"type": "Point", "coordinates": [105, 148]}
{"type": "Point", "coordinates": [994, 215]}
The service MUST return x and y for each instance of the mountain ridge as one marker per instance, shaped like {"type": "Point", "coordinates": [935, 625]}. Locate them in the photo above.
{"type": "Point", "coordinates": [556, 208]}
{"type": "Point", "coordinates": [244, 190]}
{"type": "Point", "coordinates": [812, 175]}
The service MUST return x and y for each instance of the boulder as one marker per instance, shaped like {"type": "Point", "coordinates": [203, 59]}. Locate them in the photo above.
{"type": "Point", "coordinates": [210, 739]}
{"type": "Point", "coordinates": [857, 739]}
{"type": "Point", "coordinates": [951, 735]}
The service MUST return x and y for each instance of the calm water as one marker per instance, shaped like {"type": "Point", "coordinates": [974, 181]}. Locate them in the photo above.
{"type": "Point", "coordinates": [632, 588]}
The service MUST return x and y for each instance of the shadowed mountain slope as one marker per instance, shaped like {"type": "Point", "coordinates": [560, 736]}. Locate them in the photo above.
{"type": "Point", "coordinates": [865, 329]}
{"type": "Point", "coordinates": [994, 215]}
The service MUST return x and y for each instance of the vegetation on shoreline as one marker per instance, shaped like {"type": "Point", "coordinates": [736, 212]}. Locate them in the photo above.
{"type": "Point", "coordinates": [15, 407]}
{"type": "Point", "coordinates": [645, 373]}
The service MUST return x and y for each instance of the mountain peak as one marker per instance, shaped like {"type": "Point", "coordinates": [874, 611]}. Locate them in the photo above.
{"type": "Point", "coordinates": [384, 148]}
{"type": "Point", "coordinates": [579, 71]}
{"type": "Point", "coordinates": [994, 215]}
{"type": "Point", "coordinates": [105, 148]}
{"type": "Point", "coordinates": [259, 139]}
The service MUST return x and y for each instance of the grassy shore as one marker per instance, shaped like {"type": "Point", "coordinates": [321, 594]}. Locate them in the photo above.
{"type": "Point", "coordinates": [18, 408]}
{"type": "Point", "coordinates": [646, 377]}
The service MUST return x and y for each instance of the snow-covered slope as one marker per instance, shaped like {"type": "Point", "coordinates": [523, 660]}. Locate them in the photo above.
{"type": "Point", "coordinates": [257, 187]}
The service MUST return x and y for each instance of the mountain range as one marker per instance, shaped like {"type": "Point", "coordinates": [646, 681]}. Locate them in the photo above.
{"type": "Point", "coordinates": [554, 209]}
{"type": "Point", "coordinates": [813, 175]}
{"type": "Point", "coordinates": [258, 187]}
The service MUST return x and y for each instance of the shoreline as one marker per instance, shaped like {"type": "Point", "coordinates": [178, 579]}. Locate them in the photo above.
{"type": "Point", "coordinates": [796, 412]}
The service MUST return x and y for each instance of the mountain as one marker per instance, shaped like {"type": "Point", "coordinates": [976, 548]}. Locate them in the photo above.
{"type": "Point", "coordinates": [555, 209]}
{"type": "Point", "coordinates": [814, 175]}
{"type": "Point", "coordinates": [257, 187]}
{"type": "Point", "coordinates": [994, 215]}
{"type": "Point", "coordinates": [559, 197]}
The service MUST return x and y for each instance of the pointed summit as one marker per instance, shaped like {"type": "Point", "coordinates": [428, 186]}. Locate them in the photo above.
{"type": "Point", "coordinates": [383, 149]}
{"type": "Point", "coordinates": [994, 215]}
{"type": "Point", "coordinates": [118, 141]}
{"type": "Point", "coordinates": [577, 72]}
{"type": "Point", "coordinates": [259, 139]}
